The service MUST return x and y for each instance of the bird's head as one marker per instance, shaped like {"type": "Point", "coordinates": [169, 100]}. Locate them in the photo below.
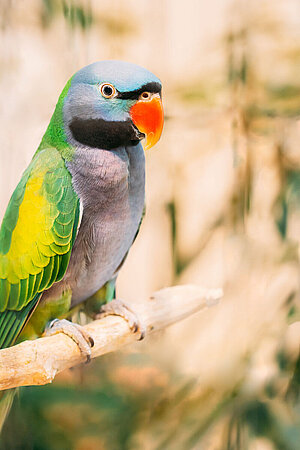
{"type": "Point", "coordinates": [111, 104]}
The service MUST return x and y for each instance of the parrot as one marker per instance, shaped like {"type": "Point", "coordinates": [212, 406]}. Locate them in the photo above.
{"type": "Point", "coordinates": [77, 209]}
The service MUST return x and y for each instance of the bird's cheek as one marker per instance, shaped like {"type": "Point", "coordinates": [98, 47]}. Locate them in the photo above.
{"type": "Point", "coordinates": [148, 117]}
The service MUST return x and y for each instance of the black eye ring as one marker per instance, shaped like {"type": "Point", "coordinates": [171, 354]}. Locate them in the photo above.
{"type": "Point", "coordinates": [107, 90]}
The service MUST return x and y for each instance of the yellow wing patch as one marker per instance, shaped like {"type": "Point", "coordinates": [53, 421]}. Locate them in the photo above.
{"type": "Point", "coordinates": [36, 218]}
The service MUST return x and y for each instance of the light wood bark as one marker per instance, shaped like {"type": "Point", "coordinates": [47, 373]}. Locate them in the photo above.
{"type": "Point", "coordinates": [37, 362]}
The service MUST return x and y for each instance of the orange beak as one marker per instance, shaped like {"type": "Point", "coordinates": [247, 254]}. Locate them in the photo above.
{"type": "Point", "coordinates": [148, 117]}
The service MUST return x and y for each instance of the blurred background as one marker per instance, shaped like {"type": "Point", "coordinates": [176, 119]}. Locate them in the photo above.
{"type": "Point", "coordinates": [223, 210]}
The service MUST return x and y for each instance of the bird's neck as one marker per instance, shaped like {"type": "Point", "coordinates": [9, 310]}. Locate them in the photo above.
{"type": "Point", "coordinates": [55, 135]}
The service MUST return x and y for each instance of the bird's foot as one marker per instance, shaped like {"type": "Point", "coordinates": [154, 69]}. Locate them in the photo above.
{"type": "Point", "coordinates": [76, 332]}
{"type": "Point", "coordinates": [119, 308]}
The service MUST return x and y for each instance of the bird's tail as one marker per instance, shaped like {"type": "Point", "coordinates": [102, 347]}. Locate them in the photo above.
{"type": "Point", "coordinates": [6, 400]}
{"type": "Point", "coordinates": [11, 324]}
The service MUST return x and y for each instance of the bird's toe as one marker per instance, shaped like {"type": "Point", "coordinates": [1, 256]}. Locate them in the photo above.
{"type": "Point", "coordinates": [75, 331]}
{"type": "Point", "coordinates": [119, 308]}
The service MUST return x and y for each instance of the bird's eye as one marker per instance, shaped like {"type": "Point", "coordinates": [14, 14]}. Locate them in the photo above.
{"type": "Point", "coordinates": [107, 90]}
{"type": "Point", "coordinates": [145, 96]}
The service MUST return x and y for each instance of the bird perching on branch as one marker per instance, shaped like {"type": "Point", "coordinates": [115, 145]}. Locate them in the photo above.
{"type": "Point", "coordinates": [77, 209]}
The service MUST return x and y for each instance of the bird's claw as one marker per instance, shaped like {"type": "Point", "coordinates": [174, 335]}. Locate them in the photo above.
{"type": "Point", "coordinates": [119, 308]}
{"type": "Point", "coordinates": [75, 331]}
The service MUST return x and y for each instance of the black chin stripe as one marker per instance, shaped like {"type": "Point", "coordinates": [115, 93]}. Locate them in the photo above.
{"type": "Point", "coordinates": [153, 87]}
{"type": "Point", "coordinates": [99, 133]}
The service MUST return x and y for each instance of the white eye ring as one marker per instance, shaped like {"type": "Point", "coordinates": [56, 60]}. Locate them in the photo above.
{"type": "Point", "coordinates": [145, 96]}
{"type": "Point", "coordinates": [107, 90]}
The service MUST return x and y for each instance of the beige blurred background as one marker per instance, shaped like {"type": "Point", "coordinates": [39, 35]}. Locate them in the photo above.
{"type": "Point", "coordinates": [223, 201]}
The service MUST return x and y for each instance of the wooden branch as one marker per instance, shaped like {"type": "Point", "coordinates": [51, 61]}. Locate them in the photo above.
{"type": "Point", "coordinates": [37, 362]}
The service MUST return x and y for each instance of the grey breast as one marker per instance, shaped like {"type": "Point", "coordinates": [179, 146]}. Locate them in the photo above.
{"type": "Point", "coordinates": [111, 188]}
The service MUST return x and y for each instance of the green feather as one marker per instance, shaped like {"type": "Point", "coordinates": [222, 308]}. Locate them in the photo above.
{"type": "Point", "coordinates": [40, 260]}
{"type": "Point", "coordinates": [64, 262]}
{"type": "Point", "coordinates": [31, 282]}
{"type": "Point", "coordinates": [4, 293]}
{"type": "Point", "coordinates": [65, 218]}
{"type": "Point", "coordinates": [62, 230]}
{"type": "Point", "coordinates": [55, 135]}
{"type": "Point", "coordinates": [6, 326]}
{"type": "Point", "coordinates": [62, 241]}
{"type": "Point", "coordinates": [23, 291]}
{"type": "Point", "coordinates": [12, 213]}
{"type": "Point", "coordinates": [14, 296]}
{"type": "Point", "coordinates": [47, 274]}
{"type": "Point", "coordinates": [38, 279]}
{"type": "Point", "coordinates": [8, 319]}
{"type": "Point", "coordinates": [56, 264]}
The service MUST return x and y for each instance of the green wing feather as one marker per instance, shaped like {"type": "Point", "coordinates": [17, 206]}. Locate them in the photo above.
{"type": "Point", "coordinates": [36, 239]}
